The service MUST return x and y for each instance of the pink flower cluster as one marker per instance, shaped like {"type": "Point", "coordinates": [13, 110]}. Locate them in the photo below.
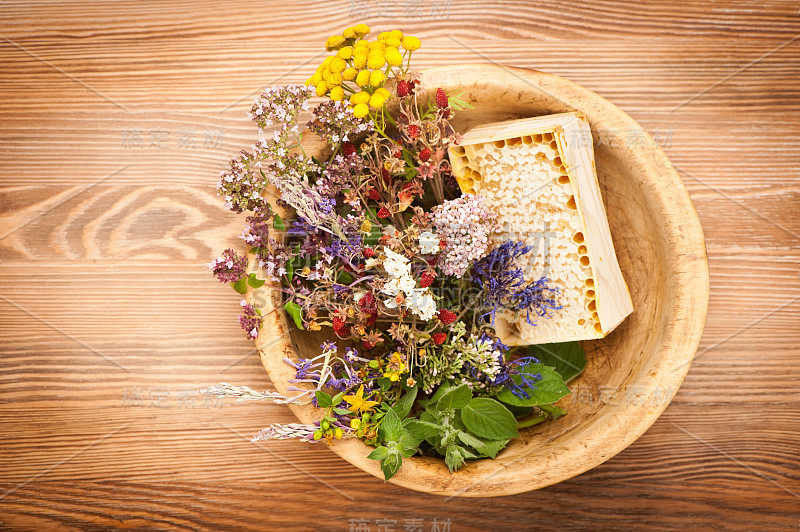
{"type": "Point", "coordinates": [228, 268]}
{"type": "Point", "coordinates": [280, 105]}
{"type": "Point", "coordinates": [464, 225]}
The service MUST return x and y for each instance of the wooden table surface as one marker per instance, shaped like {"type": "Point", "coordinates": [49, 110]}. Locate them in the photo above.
{"type": "Point", "coordinates": [115, 121]}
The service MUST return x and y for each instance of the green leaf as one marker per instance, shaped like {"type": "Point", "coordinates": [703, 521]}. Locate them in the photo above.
{"type": "Point", "coordinates": [240, 285]}
{"type": "Point", "coordinates": [342, 411]}
{"type": "Point", "coordinates": [255, 282]}
{"type": "Point", "coordinates": [568, 358]}
{"type": "Point", "coordinates": [440, 391]}
{"type": "Point", "coordinates": [422, 429]}
{"type": "Point", "coordinates": [488, 418]}
{"type": "Point", "coordinates": [277, 223]}
{"type": "Point", "coordinates": [453, 458]}
{"type": "Point", "coordinates": [404, 404]}
{"type": "Point", "coordinates": [323, 399]}
{"type": "Point", "coordinates": [409, 441]}
{"type": "Point", "coordinates": [337, 398]}
{"type": "Point", "coordinates": [391, 465]}
{"type": "Point", "coordinates": [290, 269]}
{"type": "Point", "coordinates": [379, 453]}
{"type": "Point", "coordinates": [492, 447]}
{"type": "Point", "coordinates": [472, 441]}
{"type": "Point", "coordinates": [344, 278]}
{"type": "Point", "coordinates": [454, 398]}
{"type": "Point", "coordinates": [296, 312]}
{"type": "Point", "coordinates": [384, 382]}
{"type": "Point", "coordinates": [549, 389]}
{"type": "Point", "coordinates": [519, 411]}
{"type": "Point", "coordinates": [391, 428]}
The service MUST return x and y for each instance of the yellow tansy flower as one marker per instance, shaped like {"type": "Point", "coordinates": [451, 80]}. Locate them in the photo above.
{"type": "Point", "coordinates": [361, 44]}
{"type": "Point", "coordinates": [322, 88]}
{"type": "Point", "coordinates": [349, 74]}
{"type": "Point", "coordinates": [361, 29]}
{"type": "Point", "coordinates": [334, 42]}
{"type": "Point", "coordinates": [360, 110]}
{"type": "Point", "coordinates": [359, 59]}
{"type": "Point", "coordinates": [337, 93]}
{"type": "Point", "coordinates": [350, 33]}
{"type": "Point", "coordinates": [338, 65]}
{"type": "Point", "coordinates": [393, 56]}
{"type": "Point", "coordinates": [375, 61]}
{"type": "Point", "coordinates": [397, 34]}
{"type": "Point", "coordinates": [334, 79]}
{"type": "Point", "coordinates": [359, 97]}
{"type": "Point", "coordinates": [377, 100]}
{"type": "Point", "coordinates": [346, 52]}
{"type": "Point", "coordinates": [386, 94]}
{"type": "Point", "coordinates": [362, 79]}
{"type": "Point", "coordinates": [394, 41]}
{"type": "Point", "coordinates": [376, 78]}
{"type": "Point", "coordinates": [411, 43]}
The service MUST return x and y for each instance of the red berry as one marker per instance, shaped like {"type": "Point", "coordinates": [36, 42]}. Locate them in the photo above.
{"type": "Point", "coordinates": [368, 252]}
{"type": "Point", "coordinates": [413, 131]}
{"type": "Point", "coordinates": [374, 194]}
{"type": "Point", "coordinates": [438, 338]}
{"type": "Point", "coordinates": [426, 280]}
{"type": "Point", "coordinates": [447, 317]}
{"type": "Point", "coordinates": [441, 98]}
{"type": "Point", "coordinates": [403, 88]}
{"type": "Point", "coordinates": [348, 149]}
{"type": "Point", "coordinates": [384, 213]}
{"type": "Point", "coordinates": [338, 323]}
{"type": "Point", "coordinates": [424, 155]}
{"type": "Point", "coordinates": [387, 177]}
{"type": "Point", "coordinates": [344, 332]}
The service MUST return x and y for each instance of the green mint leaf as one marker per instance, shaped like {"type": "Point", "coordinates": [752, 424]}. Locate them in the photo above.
{"type": "Point", "coordinates": [455, 398]}
{"type": "Point", "coordinates": [404, 404]}
{"type": "Point", "coordinates": [468, 439]}
{"type": "Point", "coordinates": [240, 285]}
{"type": "Point", "coordinates": [440, 391]}
{"type": "Point", "coordinates": [277, 223]}
{"type": "Point", "coordinates": [422, 429]}
{"type": "Point", "coordinates": [296, 312]}
{"type": "Point", "coordinates": [487, 418]}
{"type": "Point", "coordinates": [568, 358]}
{"type": "Point", "coordinates": [391, 465]}
{"type": "Point", "coordinates": [410, 441]}
{"type": "Point", "coordinates": [253, 281]}
{"type": "Point", "coordinates": [492, 447]}
{"type": "Point", "coordinates": [549, 389]}
{"type": "Point", "coordinates": [379, 453]}
{"type": "Point", "coordinates": [391, 428]}
{"type": "Point", "coordinates": [323, 399]}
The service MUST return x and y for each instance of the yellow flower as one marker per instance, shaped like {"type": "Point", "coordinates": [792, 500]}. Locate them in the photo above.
{"type": "Point", "coordinates": [334, 79]}
{"type": "Point", "coordinates": [411, 43]}
{"type": "Point", "coordinates": [325, 62]}
{"type": "Point", "coordinates": [349, 74]}
{"type": "Point", "coordinates": [355, 423]}
{"type": "Point", "coordinates": [396, 34]}
{"type": "Point", "coordinates": [338, 65]}
{"type": "Point", "coordinates": [337, 93]}
{"type": "Point", "coordinates": [375, 45]}
{"type": "Point", "coordinates": [345, 52]}
{"type": "Point", "coordinates": [375, 61]}
{"type": "Point", "coordinates": [322, 88]}
{"type": "Point", "coordinates": [313, 80]}
{"type": "Point", "coordinates": [334, 42]}
{"type": "Point", "coordinates": [393, 41]}
{"type": "Point", "coordinates": [395, 367]}
{"type": "Point", "coordinates": [366, 226]}
{"type": "Point", "coordinates": [361, 29]}
{"type": "Point", "coordinates": [359, 97]}
{"type": "Point", "coordinates": [377, 101]}
{"type": "Point", "coordinates": [326, 74]}
{"type": "Point", "coordinates": [393, 56]}
{"type": "Point", "coordinates": [360, 110]}
{"type": "Point", "coordinates": [350, 33]}
{"type": "Point", "coordinates": [358, 403]}
{"type": "Point", "coordinates": [376, 78]}
{"type": "Point", "coordinates": [359, 58]}
{"type": "Point", "coordinates": [362, 79]}
{"type": "Point", "coordinates": [361, 44]}
{"type": "Point", "coordinates": [386, 94]}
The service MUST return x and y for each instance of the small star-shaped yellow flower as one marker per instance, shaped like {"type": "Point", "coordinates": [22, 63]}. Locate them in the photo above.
{"type": "Point", "coordinates": [358, 403]}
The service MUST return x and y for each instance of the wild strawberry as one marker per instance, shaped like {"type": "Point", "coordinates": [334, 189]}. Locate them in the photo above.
{"type": "Point", "coordinates": [426, 280]}
{"type": "Point", "coordinates": [348, 148]}
{"type": "Point", "coordinates": [403, 88]}
{"type": "Point", "coordinates": [413, 131]}
{"type": "Point", "coordinates": [424, 155]}
{"type": "Point", "coordinates": [338, 323]}
{"type": "Point", "coordinates": [441, 98]}
{"type": "Point", "coordinates": [344, 332]}
{"type": "Point", "coordinates": [446, 317]}
{"type": "Point", "coordinates": [438, 338]}
{"type": "Point", "coordinates": [368, 252]}
{"type": "Point", "coordinates": [374, 195]}
{"type": "Point", "coordinates": [384, 213]}
{"type": "Point", "coordinates": [387, 177]}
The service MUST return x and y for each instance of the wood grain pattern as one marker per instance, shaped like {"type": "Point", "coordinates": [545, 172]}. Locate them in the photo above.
{"type": "Point", "coordinates": [116, 267]}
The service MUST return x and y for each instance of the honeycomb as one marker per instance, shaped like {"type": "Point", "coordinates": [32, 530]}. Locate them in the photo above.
{"type": "Point", "coordinates": [528, 181]}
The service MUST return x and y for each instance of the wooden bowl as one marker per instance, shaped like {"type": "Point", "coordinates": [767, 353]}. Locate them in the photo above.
{"type": "Point", "coordinates": [633, 373]}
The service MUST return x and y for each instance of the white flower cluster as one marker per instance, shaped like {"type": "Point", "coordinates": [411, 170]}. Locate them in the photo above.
{"type": "Point", "coordinates": [419, 300]}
